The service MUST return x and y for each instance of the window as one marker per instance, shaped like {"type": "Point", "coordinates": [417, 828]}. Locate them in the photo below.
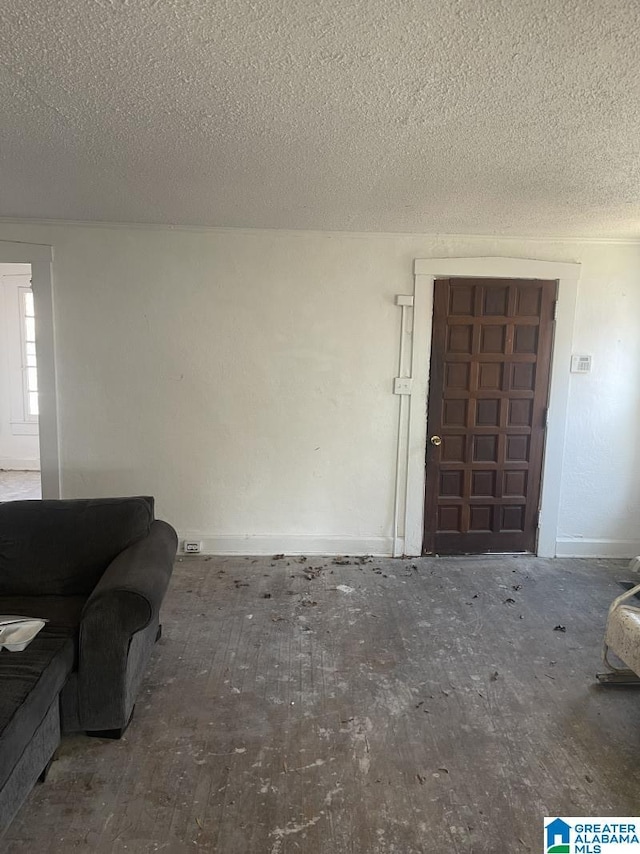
{"type": "Point", "coordinates": [29, 367]}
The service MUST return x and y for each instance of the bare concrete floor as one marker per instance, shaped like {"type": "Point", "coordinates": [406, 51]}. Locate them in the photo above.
{"type": "Point", "coordinates": [19, 485]}
{"type": "Point", "coordinates": [394, 707]}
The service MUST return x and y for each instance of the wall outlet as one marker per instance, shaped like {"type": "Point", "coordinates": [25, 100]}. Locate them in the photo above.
{"type": "Point", "coordinates": [192, 547]}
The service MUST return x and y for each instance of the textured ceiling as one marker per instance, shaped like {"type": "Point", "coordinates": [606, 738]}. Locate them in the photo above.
{"type": "Point", "coordinates": [458, 116]}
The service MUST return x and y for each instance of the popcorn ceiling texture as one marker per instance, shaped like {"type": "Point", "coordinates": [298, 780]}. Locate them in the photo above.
{"type": "Point", "coordinates": [451, 116]}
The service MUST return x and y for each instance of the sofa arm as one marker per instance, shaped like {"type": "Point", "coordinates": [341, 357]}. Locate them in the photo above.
{"type": "Point", "coordinates": [124, 603]}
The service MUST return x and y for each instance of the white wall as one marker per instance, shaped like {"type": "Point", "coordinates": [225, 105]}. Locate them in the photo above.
{"type": "Point", "coordinates": [601, 472]}
{"type": "Point", "coordinates": [244, 378]}
{"type": "Point", "coordinates": [19, 448]}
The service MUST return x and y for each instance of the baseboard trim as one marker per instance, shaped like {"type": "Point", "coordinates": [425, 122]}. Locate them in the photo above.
{"type": "Point", "coordinates": [290, 544]}
{"type": "Point", "coordinates": [311, 544]}
{"type": "Point", "coordinates": [568, 547]}
{"type": "Point", "coordinates": [398, 546]}
{"type": "Point", "coordinates": [19, 465]}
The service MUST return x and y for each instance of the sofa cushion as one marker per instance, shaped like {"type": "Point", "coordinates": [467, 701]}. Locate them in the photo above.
{"type": "Point", "coordinates": [62, 548]}
{"type": "Point", "coordinates": [30, 682]}
{"type": "Point", "coordinates": [62, 613]}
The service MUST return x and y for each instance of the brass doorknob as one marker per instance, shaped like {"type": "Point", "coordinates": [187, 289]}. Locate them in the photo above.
{"type": "Point", "coordinates": [436, 440]}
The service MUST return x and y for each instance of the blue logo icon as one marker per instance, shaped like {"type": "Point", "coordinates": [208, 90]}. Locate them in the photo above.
{"type": "Point", "coordinates": [558, 833]}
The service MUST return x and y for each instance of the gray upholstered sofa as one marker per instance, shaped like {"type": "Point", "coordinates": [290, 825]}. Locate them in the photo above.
{"type": "Point", "coordinates": [97, 570]}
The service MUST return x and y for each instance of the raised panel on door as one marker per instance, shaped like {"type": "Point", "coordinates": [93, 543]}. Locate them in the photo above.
{"type": "Point", "coordinates": [489, 382]}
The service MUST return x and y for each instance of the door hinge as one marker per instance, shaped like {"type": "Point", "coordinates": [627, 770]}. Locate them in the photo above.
{"type": "Point", "coordinates": [538, 519]}
{"type": "Point", "coordinates": [555, 310]}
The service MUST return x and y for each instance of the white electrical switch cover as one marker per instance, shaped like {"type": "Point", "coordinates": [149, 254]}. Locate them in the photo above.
{"type": "Point", "coordinates": [404, 299]}
{"type": "Point", "coordinates": [402, 385]}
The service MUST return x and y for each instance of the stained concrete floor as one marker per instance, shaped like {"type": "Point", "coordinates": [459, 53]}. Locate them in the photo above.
{"type": "Point", "coordinates": [390, 707]}
{"type": "Point", "coordinates": [19, 485]}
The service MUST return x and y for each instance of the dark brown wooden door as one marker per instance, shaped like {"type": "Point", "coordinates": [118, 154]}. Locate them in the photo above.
{"type": "Point", "coordinates": [488, 389]}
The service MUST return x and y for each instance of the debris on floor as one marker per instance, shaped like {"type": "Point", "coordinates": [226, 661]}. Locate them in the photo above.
{"type": "Point", "coordinates": [344, 588]}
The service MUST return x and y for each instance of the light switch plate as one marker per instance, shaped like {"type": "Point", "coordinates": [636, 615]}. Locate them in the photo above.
{"type": "Point", "coordinates": [402, 385]}
{"type": "Point", "coordinates": [404, 299]}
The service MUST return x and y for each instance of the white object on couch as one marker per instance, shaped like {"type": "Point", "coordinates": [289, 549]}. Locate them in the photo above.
{"type": "Point", "coordinates": [16, 633]}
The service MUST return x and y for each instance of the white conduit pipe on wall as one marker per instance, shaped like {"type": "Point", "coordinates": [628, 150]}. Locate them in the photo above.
{"type": "Point", "coordinates": [402, 372]}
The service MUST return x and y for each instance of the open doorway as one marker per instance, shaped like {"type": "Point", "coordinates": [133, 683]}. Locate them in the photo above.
{"type": "Point", "coordinates": [19, 403]}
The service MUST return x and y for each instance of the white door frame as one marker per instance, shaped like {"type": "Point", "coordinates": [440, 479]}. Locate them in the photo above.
{"type": "Point", "coordinates": [426, 272]}
{"type": "Point", "coordinates": [41, 257]}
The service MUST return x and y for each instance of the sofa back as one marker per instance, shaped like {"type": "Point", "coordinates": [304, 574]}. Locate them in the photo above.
{"type": "Point", "coordinates": [62, 547]}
